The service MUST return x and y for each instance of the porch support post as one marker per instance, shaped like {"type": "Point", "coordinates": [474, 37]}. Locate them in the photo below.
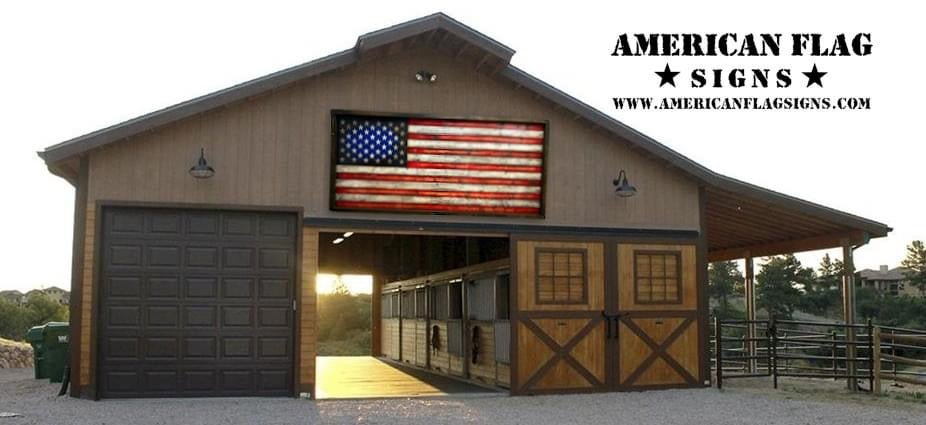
{"type": "Point", "coordinates": [848, 312]}
{"type": "Point", "coordinates": [750, 295]}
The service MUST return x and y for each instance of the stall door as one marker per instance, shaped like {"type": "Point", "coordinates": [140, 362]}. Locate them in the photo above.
{"type": "Point", "coordinates": [657, 317]}
{"type": "Point", "coordinates": [561, 331]}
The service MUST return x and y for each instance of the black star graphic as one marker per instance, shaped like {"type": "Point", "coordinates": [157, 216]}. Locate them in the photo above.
{"type": "Point", "coordinates": [814, 76]}
{"type": "Point", "coordinates": [667, 76]}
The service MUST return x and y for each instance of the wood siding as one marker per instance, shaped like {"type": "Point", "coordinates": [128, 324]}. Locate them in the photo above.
{"type": "Point", "coordinates": [307, 307]}
{"type": "Point", "coordinates": [87, 297]}
{"type": "Point", "coordinates": [275, 149]}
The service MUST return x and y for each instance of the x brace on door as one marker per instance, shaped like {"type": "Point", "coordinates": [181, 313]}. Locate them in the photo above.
{"type": "Point", "coordinates": [659, 350]}
{"type": "Point", "coordinates": [562, 352]}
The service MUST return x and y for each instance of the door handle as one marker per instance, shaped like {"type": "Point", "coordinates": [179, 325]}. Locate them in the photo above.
{"type": "Point", "coordinates": [607, 324]}
{"type": "Point", "coordinates": [611, 319]}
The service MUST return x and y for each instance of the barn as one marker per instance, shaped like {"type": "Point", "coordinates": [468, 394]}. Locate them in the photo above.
{"type": "Point", "coordinates": [516, 236]}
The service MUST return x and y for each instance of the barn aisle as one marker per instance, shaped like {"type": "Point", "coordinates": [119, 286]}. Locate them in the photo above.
{"type": "Point", "coordinates": [354, 377]}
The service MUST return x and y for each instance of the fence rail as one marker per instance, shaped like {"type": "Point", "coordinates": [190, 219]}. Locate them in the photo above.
{"type": "Point", "coordinates": [813, 349]}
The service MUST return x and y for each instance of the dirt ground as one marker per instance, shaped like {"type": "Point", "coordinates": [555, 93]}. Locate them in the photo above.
{"type": "Point", "coordinates": [741, 402]}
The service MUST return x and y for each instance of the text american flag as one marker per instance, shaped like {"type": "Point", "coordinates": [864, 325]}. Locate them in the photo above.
{"type": "Point", "coordinates": [438, 165]}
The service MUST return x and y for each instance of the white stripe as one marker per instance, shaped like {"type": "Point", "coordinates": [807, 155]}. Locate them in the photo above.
{"type": "Point", "coordinates": [453, 144]}
{"type": "Point", "coordinates": [475, 131]}
{"type": "Point", "coordinates": [433, 200]}
{"type": "Point", "coordinates": [467, 159]}
{"type": "Point", "coordinates": [460, 187]}
{"type": "Point", "coordinates": [401, 171]}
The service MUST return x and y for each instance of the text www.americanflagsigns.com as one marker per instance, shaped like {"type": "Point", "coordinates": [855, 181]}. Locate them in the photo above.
{"type": "Point", "coordinates": [743, 103]}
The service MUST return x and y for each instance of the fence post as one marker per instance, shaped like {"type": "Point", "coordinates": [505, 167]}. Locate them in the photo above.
{"type": "Point", "coordinates": [893, 363]}
{"type": "Point", "coordinates": [773, 329]}
{"type": "Point", "coordinates": [835, 361]}
{"type": "Point", "coordinates": [745, 351]}
{"type": "Point", "coordinates": [871, 356]}
{"type": "Point", "coordinates": [718, 352]}
{"type": "Point", "coordinates": [876, 360]}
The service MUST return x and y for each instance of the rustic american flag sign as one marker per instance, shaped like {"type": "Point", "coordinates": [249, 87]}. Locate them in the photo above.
{"type": "Point", "coordinates": [438, 165]}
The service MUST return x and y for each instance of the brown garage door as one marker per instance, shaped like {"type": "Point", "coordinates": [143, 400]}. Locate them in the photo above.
{"type": "Point", "coordinates": [196, 303]}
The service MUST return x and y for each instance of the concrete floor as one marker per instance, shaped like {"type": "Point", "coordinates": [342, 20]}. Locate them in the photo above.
{"type": "Point", "coordinates": [357, 377]}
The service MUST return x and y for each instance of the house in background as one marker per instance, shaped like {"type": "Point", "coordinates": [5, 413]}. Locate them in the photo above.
{"type": "Point", "coordinates": [57, 294]}
{"type": "Point", "coordinates": [13, 296]}
{"type": "Point", "coordinates": [888, 281]}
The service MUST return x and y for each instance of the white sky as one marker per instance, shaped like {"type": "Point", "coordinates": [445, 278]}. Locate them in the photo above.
{"type": "Point", "coordinates": [74, 67]}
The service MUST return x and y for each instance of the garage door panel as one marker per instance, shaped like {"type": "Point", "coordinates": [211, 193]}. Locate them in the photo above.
{"type": "Point", "coordinates": [239, 225]}
{"type": "Point", "coordinates": [197, 303]}
{"type": "Point", "coordinates": [124, 256]}
{"type": "Point", "coordinates": [237, 316]}
{"type": "Point", "coordinates": [238, 258]}
{"type": "Point", "coordinates": [237, 287]}
{"type": "Point", "coordinates": [162, 316]}
{"type": "Point", "coordinates": [164, 288]}
{"type": "Point", "coordinates": [202, 224]}
{"type": "Point", "coordinates": [163, 256]}
{"type": "Point", "coordinates": [202, 257]}
{"type": "Point", "coordinates": [124, 287]}
{"type": "Point", "coordinates": [201, 287]}
{"type": "Point", "coordinates": [165, 223]}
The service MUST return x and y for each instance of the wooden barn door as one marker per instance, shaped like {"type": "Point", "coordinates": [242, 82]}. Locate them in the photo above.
{"type": "Point", "coordinates": [560, 331]}
{"type": "Point", "coordinates": [657, 317]}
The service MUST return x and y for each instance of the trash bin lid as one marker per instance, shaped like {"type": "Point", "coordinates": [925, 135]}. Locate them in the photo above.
{"type": "Point", "coordinates": [57, 332]}
{"type": "Point", "coordinates": [35, 333]}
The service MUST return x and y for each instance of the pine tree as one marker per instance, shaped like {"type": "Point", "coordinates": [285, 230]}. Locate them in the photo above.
{"type": "Point", "coordinates": [778, 281]}
{"type": "Point", "coordinates": [915, 263]}
{"type": "Point", "coordinates": [722, 279]}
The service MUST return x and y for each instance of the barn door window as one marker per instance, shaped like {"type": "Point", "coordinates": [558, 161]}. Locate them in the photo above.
{"type": "Point", "coordinates": [562, 276]}
{"type": "Point", "coordinates": [657, 277]}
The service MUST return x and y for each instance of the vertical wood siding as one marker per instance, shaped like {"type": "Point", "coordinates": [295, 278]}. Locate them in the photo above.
{"type": "Point", "coordinates": [275, 149]}
{"type": "Point", "coordinates": [307, 317]}
{"type": "Point", "coordinates": [86, 312]}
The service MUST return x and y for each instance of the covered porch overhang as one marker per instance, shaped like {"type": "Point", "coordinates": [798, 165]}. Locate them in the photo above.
{"type": "Point", "coordinates": [746, 225]}
{"type": "Point", "coordinates": [742, 221]}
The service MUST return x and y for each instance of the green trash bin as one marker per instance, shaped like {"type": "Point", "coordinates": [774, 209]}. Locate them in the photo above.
{"type": "Point", "coordinates": [36, 338]}
{"type": "Point", "coordinates": [56, 349]}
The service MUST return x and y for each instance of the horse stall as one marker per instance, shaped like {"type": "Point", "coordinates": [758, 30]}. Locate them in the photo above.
{"type": "Point", "coordinates": [453, 322]}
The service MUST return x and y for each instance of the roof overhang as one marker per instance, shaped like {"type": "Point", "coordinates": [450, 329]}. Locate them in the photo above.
{"type": "Point", "coordinates": [740, 218]}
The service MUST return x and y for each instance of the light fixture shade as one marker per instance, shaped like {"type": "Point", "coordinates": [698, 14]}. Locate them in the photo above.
{"type": "Point", "coordinates": [624, 189]}
{"type": "Point", "coordinates": [202, 170]}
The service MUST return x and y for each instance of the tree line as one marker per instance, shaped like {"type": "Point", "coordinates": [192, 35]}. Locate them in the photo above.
{"type": "Point", "coordinates": [784, 285]}
{"type": "Point", "coordinates": [38, 309]}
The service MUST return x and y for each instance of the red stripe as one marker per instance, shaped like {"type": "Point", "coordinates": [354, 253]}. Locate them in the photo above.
{"type": "Point", "coordinates": [472, 152]}
{"type": "Point", "coordinates": [438, 179]}
{"type": "Point", "coordinates": [438, 193]}
{"type": "Point", "coordinates": [436, 207]}
{"type": "Point", "coordinates": [474, 138]}
{"type": "Point", "coordinates": [480, 167]}
{"type": "Point", "coordinates": [477, 124]}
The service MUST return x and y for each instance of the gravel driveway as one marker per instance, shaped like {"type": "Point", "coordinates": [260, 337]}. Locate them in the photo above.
{"type": "Point", "coordinates": [37, 403]}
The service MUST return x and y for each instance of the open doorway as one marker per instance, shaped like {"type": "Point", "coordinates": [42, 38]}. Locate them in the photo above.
{"type": "Point", "coordinates": [356, 350]}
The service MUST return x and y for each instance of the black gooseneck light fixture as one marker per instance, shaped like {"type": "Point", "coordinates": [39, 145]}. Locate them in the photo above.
{"type": "Point", "coordinates": [624, 189]}
{"type": "Point", "coordinates": [202, 170]}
